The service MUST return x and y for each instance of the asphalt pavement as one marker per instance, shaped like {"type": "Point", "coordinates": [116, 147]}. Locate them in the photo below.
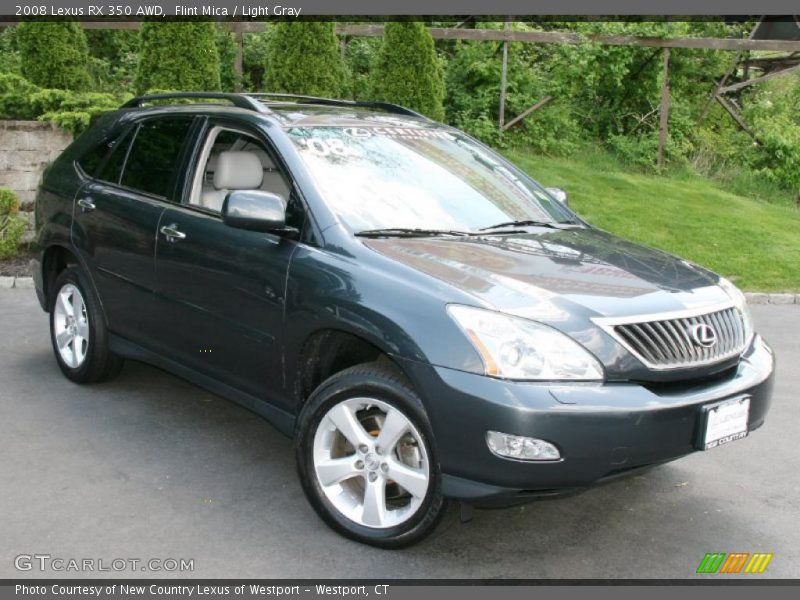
{"type": "Point", "coordinates": [151, 467]}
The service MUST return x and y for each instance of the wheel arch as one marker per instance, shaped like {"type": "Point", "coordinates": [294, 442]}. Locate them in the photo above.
{"type": "Point", "coordinates": [325, 352]}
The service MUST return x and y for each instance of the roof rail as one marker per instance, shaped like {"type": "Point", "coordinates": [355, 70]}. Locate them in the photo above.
{"type": "Point", "coordinates": [239, 100]}
{"type": "Point", "coordinates": [387, 106]}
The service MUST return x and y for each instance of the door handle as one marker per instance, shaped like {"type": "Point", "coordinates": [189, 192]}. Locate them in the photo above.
{"type": "Point", "coordinates": [86, 204]}
{"type": "Point", "coordinates": [172, 233]}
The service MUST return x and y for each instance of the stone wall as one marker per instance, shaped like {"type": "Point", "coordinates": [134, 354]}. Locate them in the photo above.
{"type": "Point", "coordinates": [26, 147]}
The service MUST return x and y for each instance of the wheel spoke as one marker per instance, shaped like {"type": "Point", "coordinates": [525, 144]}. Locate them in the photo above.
{"type": "Point", "coordinates": [82, 328]}
{"type": "Point", "coordinates": [392, 430]}
{"type": "Point", "coordinates": [77, 306]}
{"type": "Point", "coordinates": [345, 421]}
{"type": "Point", "coordinates": [64, 303]}
{"type": "Point", "coordinates": [375, 503]}
{"type": "Point", "coordinates": [64, 338]}
{"type": "Point", "coordinates": [336, 470]}
{"type": "Point", "coordinates": [414, 481]}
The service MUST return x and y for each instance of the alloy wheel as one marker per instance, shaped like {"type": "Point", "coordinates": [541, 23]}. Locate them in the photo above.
{"type": "Point", "coordinates": [71, 326]}
{"type": "Point", "coordinates": [371, 462]}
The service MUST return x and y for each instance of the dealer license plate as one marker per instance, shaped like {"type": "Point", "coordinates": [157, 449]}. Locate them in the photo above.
{"type": "Point", "coordinates": [726, 421]}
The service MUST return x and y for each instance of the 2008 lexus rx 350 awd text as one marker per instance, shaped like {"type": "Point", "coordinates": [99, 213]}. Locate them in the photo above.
{"type": "Point", "coordinates": [425, 321]}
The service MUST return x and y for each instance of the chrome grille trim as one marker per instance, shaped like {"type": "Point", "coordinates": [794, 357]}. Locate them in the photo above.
{"type": "Point", "coordinates": [663, 342]}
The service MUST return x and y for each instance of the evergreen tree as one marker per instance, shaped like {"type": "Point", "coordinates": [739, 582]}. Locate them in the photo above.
{"type": "Point", "coordinates": [303, 58]}
{"type": "Point", "coordinates": [407, 70]}
{"type": "Point", "coordinates": [54, 55]}
{"type": "Point", "coordinates": [178, 56]}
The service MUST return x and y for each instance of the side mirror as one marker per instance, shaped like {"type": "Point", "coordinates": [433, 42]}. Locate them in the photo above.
{"type": "Point", "coordinates": [558, 194]}
{"type": "Point", "coordinates": [255, 210]}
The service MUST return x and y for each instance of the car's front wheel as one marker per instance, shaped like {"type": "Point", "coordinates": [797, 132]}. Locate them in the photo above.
{"type": "Point", "coordinates": [78, 331]}
{"type": "Point", "coordinates": [366, 458]}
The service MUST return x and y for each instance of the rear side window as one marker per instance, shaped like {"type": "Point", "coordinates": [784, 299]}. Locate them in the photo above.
{"type": "Point", "coordinates": [91, 161]}
{"type": "Point", "coordinates": [153, 159]}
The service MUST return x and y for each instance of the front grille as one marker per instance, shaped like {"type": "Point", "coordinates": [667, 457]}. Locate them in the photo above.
{"type": "Point", "coordinates": [673, 343]}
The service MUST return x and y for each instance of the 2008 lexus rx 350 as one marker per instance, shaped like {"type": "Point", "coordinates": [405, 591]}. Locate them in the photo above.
{"type": "Point", "coordinates": [425, 320]}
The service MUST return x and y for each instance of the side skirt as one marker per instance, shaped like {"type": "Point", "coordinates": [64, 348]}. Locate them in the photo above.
{"type": "Point", "coordinates": [280, 419]}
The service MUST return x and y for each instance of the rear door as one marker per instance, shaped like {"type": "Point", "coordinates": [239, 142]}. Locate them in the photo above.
{"type": "Point", "coordinates": [117, 214]}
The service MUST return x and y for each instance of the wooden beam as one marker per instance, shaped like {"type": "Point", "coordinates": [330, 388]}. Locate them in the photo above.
{"type": "Point", "coordinates": [736, 117]}
{"type": "Point", "coordinates": [663, 117]}
{"type": "Point", "coordinates": [504, 77]}
{"type": "Point", "coordinates": [527, 111]}
{"type": "Point", "coordinates": [749, 82]}
{"type": "Point", "coordinates": [541, 37]}
{"type": "Point", "coordinates": [558, 37]}
{"type": "Point", "coordinates": [719, 84]}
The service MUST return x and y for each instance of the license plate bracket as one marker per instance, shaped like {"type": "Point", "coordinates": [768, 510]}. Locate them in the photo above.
{"type": "Point", "coordinates": [724, 422]}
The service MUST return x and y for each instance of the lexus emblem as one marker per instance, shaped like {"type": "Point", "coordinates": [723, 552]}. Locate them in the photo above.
{"type": "Point", "coordinates": [703, 335]}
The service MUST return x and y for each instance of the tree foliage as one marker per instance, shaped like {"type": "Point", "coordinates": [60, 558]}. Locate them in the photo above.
{"type": "Point", "coordinates": [54, 54]}
{"type": "Point", "coordinates": [303, 58]}
{"type": "Point", "coordinates": [178, 56]}
{"type": "Point", "coordinates": [407, 70]}
{"type": "Point", "coordinates": [11, 225]}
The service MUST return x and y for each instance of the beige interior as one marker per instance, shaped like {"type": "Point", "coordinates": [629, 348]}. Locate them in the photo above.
{"type": "Point", "coordinates": [245, 166]}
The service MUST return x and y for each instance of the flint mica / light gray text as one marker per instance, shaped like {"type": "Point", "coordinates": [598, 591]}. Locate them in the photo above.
{"type": "Point", "coordinates": [243, 10]}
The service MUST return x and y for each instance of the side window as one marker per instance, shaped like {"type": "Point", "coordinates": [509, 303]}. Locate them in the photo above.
{"type": "Point", "coordinates": [112, 168]}
{"type": "Point", "coordinates": [92, 162]}
{"type": "Point", "coordinates": [153, 158]}
{"type": "Point", "coordinates": [233, 160]}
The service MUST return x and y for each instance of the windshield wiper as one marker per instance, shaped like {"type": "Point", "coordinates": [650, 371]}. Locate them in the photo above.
{"type": "Point", "coordinates": [512, 224]}
{"type": "Point", "coordinates": [409, 232]}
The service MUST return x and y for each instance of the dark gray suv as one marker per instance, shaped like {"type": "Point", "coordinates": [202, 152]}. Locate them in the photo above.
{"type": "Point", "coordinates": [425, 320]}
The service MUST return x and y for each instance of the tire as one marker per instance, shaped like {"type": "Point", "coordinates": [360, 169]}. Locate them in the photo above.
{"type": "Point", "coordinates": [86, 358]}
{"type": "Point", "coordinates": [361, 496]}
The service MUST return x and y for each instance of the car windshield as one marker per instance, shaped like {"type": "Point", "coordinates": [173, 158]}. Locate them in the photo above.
{"type": "Point", "coordinates": [377, 178]}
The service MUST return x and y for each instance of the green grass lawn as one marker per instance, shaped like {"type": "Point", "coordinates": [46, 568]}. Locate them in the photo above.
{"type": "Point", "coordinates": [754, 243]}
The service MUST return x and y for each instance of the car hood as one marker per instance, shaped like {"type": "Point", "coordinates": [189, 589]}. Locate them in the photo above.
{"type": "Point", "coordinates": [547, 274]}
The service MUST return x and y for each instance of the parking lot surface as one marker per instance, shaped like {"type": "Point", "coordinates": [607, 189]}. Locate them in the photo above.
{"type": "Point", "coordinates": [150, 466]}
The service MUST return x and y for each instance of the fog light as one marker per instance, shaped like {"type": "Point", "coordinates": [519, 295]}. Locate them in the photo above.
{"type": "Point", "coordinates": [517, 447]}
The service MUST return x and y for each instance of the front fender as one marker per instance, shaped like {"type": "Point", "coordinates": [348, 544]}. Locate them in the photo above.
{"type": "Point", "coordinates": [394, 308]}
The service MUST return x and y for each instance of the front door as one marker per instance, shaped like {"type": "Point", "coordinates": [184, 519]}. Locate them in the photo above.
{"type": "Point", "coordinates": [221, 290]}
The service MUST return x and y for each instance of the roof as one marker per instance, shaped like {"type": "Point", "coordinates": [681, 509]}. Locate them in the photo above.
{"type": "Point", "coordinates": [288, 109]}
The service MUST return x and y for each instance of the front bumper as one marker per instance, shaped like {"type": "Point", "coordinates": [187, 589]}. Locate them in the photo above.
{"type": "Point", "coordinates": [602, 430]}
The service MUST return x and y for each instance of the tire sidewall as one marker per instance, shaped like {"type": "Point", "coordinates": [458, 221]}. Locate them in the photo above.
{"type": "Point", "coordinates": [329, 394]}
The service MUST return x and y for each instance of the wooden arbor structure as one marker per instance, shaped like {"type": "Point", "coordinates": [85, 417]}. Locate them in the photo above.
{"type": "Point", "coordinates": [780, 36]}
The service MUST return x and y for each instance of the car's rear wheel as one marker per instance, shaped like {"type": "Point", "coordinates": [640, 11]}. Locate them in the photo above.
{"type": "Point", "coordinates": [366, 459]}
{"type": "Point", "coordinates": [78, 331]}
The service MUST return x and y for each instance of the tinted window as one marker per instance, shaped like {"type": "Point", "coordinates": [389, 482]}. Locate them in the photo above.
{"type": "Point", "coordinates": [90, 162]}
{"type": "Point", "coordinates": [154, 156]}
{"type": "Point", "coordinates": [112, 168]}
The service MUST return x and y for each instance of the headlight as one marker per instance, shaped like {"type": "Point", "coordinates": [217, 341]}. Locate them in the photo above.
{"type": "Point", "coordinates": [514, 348]}
{"type": "Point", "coordinates": [740, 302]}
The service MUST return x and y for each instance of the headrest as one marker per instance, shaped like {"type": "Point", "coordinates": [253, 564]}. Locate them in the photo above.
{"type": "Point", "coordinates": [238, 171]}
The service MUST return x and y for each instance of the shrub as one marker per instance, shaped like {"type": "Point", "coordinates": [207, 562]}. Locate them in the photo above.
{"type": "Point", "coordinates": [72, 111]}
{"type": "Point", "coordinates": [15, 93]}
{"type": "Point", "coordinates": [473, 98]}
{"type": "Point", "coordinates": [11, 225]}
{"type": "Point", "coordinates": [303, 58]}
{"type": "Point", "coordinates": [54, 55]}
{"type": "Point", "coordinates": [226, 49]}
{"type": "Point", "coordinates": [254, 58]}
{"type": "Point", "coordinates": [407, 70]}
{"type": "Point", "coordinates": [179, 56]}
{"type": "Point", "coordinates": [9, 55]}
{"type": "Point", "coordinates": [359, 58]}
